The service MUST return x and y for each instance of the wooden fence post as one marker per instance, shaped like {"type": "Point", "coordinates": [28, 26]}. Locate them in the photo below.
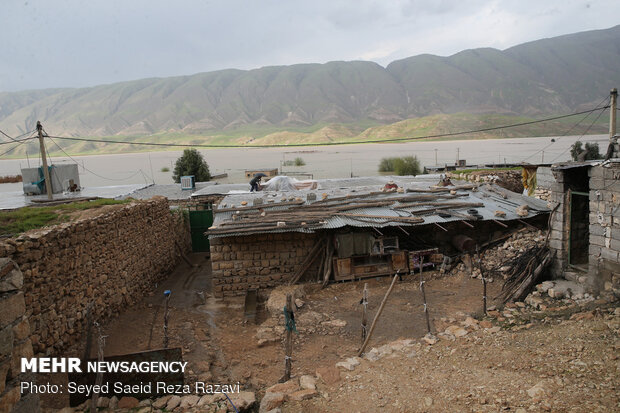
{"type": "Point", "coordinates": [364, 312]}
{"type": "Point", "coordinates": [167, 294]}
{"type": "Point", "coordinates": [374, 321]}
{"type": "Point", "coordinates": [290, 326]}
{"type": "Point", "coordinates": [428, 321]}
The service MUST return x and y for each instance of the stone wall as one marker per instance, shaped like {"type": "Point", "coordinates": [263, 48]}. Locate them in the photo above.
{"type": "Point", "coordinates": [109, 260]}
{"type": "Point", "coordinates": [14, 340]}
{"type": "Point", "coordinates": [604, 251]}
{"type": "Point", "coordinates": [256, 261]}
{"type": "Point", "coordinates": [507, 179]}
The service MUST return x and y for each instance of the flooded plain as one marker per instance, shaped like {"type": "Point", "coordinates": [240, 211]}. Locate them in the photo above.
{"type": "Point", "coordinates": [320, 161]}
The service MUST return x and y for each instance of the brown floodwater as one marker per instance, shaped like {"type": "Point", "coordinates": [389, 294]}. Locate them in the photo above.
{"type": "Point", "coordinates": [320, 161]}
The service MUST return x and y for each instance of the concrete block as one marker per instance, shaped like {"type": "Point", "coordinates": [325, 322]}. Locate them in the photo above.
{"type": "Point", "coordinates": [596, 230]}
{"type": "Point", "coordinates": [594, 251]}
{"type": "Point", "coordinates": [597, 240]}
{"type": "Point", "coordinates": [611, 173]}
{"type": "Point", "coordinates": [608, 254]}
{"type": "Point", "coordinates": [556, 244]}
{"type": "Point", "coordinates": [597, 184]}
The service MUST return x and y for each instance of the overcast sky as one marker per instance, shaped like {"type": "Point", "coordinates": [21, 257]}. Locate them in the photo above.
{"type": "Point", "coordinates": [73, 43]}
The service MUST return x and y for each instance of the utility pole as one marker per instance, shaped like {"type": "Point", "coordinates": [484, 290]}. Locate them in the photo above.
{"type": "Point", "coordinates": [612, 113]}
{"type": "Point", "coordinates": [46, 172]}
{"type": "Point", "coordinates": [436, 158]}
{"type": "Point", "coordinates": [543, 157]}
{"type": "Point", "coordinates": [457, 155]}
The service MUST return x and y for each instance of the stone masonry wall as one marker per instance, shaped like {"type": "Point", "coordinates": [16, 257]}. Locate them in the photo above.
{"type": "Point", "coordinates": [604, 250]}
{"type": "Point", "coordinates": [14, 340]}
{"type": "Point", "coordinates": [257, 261]}
{"type": "Point", "coordinates": [109, 260]}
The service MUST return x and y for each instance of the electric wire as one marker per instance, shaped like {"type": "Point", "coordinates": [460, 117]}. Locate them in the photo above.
{"type": "Point", "coordinates": [94, 173]}
{"type": "Point", "coordinates": [19, 143]}
{"type": "Point", "coordinates": [568, 131]}
{"type": "Point", "coordinates": [582, 135]}
{"type": "Point", "coordinates": [442, 135]}
{"type": "Point", "coordinates": [16, 139]}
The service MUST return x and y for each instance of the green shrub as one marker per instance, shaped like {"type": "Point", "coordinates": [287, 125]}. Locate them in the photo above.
{"type": "Point", "coordinates": [299, 162]}
{"type": "Point", "coordinates": [407, 165]}
{"type": "Point", "coordinates": [386, 165]}
{"type": "Point", "coordinates": [165, 169]}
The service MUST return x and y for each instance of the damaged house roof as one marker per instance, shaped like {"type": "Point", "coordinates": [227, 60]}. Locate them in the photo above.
{"type": "Point", "coordinates": [359, 202]}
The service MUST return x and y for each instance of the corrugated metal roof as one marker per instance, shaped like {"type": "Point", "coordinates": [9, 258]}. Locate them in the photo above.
{"type": "Point", "coordinates": [486, 195]}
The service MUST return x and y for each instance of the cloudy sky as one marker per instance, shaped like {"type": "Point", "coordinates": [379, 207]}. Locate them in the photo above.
{"type": "Point", "coordinates": [73, 43]}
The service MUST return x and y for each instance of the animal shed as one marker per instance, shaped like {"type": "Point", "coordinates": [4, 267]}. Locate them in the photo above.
{"type": "Point", "coordinates": [350, 230]}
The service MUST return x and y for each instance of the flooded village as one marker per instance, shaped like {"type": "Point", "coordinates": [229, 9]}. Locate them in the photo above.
{"type": "Point", "coordinates": [334, 237]}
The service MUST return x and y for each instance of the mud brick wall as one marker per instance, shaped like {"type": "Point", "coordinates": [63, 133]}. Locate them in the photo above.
{"type": "Point", "coordinates": [257, 261]}
{"type": "Point", "coordinates": [604, 250]}
{"type": "Point", "coordinates": [110, 260]}
{"type": "Point", "coordinates": [14, 340]}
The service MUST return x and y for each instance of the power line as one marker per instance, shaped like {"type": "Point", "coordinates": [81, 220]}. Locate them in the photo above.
{"type": "Point", "coordinates": [571, 129]}
{"type": "Point", "coordinates": [443, 135]}
{"type": "Point", "coordinates": [563, 152]}
{"type": "Point", "coordinates": [17, 138]}
{"type": "Point", "coordinates": [19, 143]}
{"type": "Point", "coordinates": [15, 141]}
{"type": "Point", "coordinates": [94, 173]}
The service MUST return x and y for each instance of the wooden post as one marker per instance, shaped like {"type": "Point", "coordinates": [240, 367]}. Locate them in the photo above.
{"type": "Point", "coordinates": [167, 294]}
{"type": "Point", "coordinates": [428, 321]}
{"type": "Point", "coordinates": [288, 345]}
{"type": "Point", "coordinates": [99, 377]}
{"type": "Point", "coordinates": [46, 172]}
{"type": "Point", "coordinates": [484, 282]}
{"type": "Point", "coordinates": [364, 312]}
{"type": "Point", "coordinates": [374, 321]}
{"type": "Point", "coordinates": [612, 113]}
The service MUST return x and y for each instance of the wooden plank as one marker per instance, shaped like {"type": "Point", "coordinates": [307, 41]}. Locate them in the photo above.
{"type": "Point", "coordinates": [314, 252]}
{"type": "Point", "coordinates": [388, 217]}
{"type": "Point", "coordinates": [374, 321]}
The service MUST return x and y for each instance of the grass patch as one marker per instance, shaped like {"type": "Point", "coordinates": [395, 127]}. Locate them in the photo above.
{"type": "Point", "coordinates": [296, 162]}
{"type": "Point", "coordinates": [27, 218]}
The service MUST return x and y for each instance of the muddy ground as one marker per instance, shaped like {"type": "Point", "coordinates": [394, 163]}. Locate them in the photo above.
{"type": "Point", "coordinates": [221, 347]}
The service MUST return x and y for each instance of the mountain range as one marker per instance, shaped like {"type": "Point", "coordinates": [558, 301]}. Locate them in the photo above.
{"type": "Point", "coordinates": [544, 77]}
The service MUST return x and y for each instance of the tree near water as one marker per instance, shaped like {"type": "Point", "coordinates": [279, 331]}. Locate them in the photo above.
{"type": "Point", "coordinates": [590, 152]}
{"type": "Point", "coordinates": [191, 163]}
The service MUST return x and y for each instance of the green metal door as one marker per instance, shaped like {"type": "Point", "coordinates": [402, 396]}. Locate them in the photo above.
{"type": "Point", "coordinates": [199, 221]}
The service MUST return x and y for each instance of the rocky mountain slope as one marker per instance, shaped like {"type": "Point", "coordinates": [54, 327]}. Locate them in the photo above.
{"type": "Point", "coordinates": [549, 76]}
